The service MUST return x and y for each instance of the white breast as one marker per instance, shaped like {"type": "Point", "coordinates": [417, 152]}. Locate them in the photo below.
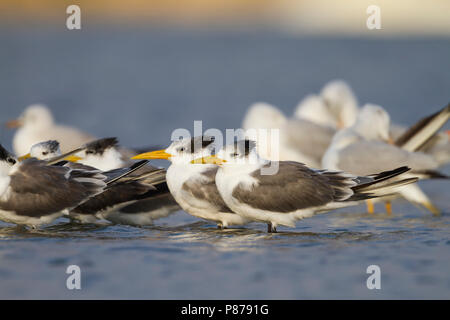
{"type": "Point", "coordinates": [176, 176]}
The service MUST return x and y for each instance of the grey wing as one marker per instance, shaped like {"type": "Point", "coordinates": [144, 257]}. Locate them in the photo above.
{"type": "Point", "coordinates": [207, 190]}
{"type": "Point", "coordinates": [294, 187]}
{"type": "Point", "coordinates": [161, 200]}
{"type": "Point", "coordinates": [117, 194]}
{"type": "Point", "coordinates": [79, 166]}
{"type": "Point", "coordinates": [309, 138]}
{"type": "Point", "coordinates": [367, 157]}
{"type": "Point", "coordinates": [38, 189]}
{"type": "Point", "coordinates": [144, 183]}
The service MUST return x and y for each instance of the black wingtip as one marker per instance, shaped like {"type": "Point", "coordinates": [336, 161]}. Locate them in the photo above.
{"type": "Point", "coordinates": [131, 169]}
{"type": "Point", "coordinates": [391, 173]}
{"type": "Point", "coordinates": [138, 164]}
{"type": "Point", "coordinates": [382, 176]}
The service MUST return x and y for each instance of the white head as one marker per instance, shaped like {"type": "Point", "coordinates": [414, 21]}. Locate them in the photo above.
{"type": "Point", "coordinates": [239, 157]}
{"type": "Point", "coordinates": [101, 154]}
{"type": "Point", "coordinates": [35, 117]}
{"type": "Point", "coordinates": [341, 102]}
{"type": "Point", "coordinates": [45, 150]}
{"type": "Point", "coordinates": [239, 152]}
{"type": "Point", "coordinates": [183, 151]}
{"type": "Point", "coordinates": [7, 161]}
{"type": "Point", "coordinates": [314, 109]}
{"type": "Point", "coordinates": [373, 123]}
{"type": "Point", "coordinates": [262, 115]}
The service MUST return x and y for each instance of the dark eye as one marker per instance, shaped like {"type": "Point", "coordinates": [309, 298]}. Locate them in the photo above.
{"type": "Point", "coordinates": [11, 161]}
{"type": "Point", "coordinates": [44, 153]}
{"type": "Point", "coordinates": [234, 155]}
{"type": "Point", "coordinates": [89, 152]}
{"type": "Point", "coordinates": [182, 149]}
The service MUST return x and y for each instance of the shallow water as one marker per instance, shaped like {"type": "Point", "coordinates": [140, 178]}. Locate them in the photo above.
{"type": "Point", "coordinates": [140, 84]}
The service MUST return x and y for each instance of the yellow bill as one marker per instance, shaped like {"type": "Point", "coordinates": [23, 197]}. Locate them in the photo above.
{"type": "Point", "coordinates": [72, 158]}
{"type": "Point", "coordinates": [158, 154]}
{"type": "Point", "coordinates": [209, 160]}
{"type": "Point", "coordinates": [27, 156]}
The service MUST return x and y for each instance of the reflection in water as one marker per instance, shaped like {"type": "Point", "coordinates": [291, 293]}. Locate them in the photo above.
{"type": "Point", "coordinates": [185, 252]}
{"type": "Point", "coordinates": [342, 226]}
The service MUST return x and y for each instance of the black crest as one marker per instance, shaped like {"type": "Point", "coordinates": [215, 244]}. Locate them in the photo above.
{"type": "Point", "coordinates": [53, 145]}
{"type": "Point", "coordinates": [99, 146]}
{"type": "Point", "coordinates": [200, 142]}
{"type": "Point", "coordinates": [244, 146]}
{"type": "Point", "coordinates": [4, 154]}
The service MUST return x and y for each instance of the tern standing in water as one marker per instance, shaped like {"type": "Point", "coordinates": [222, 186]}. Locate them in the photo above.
{"type": "Point", "coordinates": [33, 193]}
{"type": "Point", "coordinates": [295, 191]}
{"type": "Point", "coordinates": [193, 185]}
{"type": "Point", "coordinates": [137, 199]}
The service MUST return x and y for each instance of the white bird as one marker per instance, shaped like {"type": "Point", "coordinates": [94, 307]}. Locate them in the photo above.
{"type": "Point", "coordinates": [33, 193]}
{"type": "Point", "coordinates": [305, 137]}
{"type": "Point", "coordinates": [103, 154]}
{"type": "Point", "coordinates": [292, 193]}
{"type": "Point", "coordinates": [298, 140]}
{"type": "Point", "coordinates": [193, 185]}
{"type": "Point", "coordinates": [336, 106]}
{"type": "Point", "coordinates": [36, 124]}
{"type": "Point", "coordinates": [366, 147]}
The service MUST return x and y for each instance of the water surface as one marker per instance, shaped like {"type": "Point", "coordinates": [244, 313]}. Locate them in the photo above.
{"type": "Point", "coordinates": [140, 84]}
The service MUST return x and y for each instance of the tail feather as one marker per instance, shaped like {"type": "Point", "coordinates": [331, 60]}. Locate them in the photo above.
{"type": "Point", "coordinates": [127, 171]}
{"type": "Point", "coordinates": [380, 185]}
{"type": "Point", "coordinates": [382, 191]}
{"type": "Point", "coordinates": [366, 182]}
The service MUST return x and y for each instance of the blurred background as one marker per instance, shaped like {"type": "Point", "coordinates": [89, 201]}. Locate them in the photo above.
{"type": "Point", "coordinates": [138, 69]}
{"type": "Point", "coordinates": [297, 16]}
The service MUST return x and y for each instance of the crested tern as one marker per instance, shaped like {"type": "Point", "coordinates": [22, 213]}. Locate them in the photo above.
{"type": "Point", "coordinates": [137, 199]}
{"type": "Point", "coordinates": [193, 185]}
{"type": "Point", "coordinates": [33, 193]}
{"type": "Point", "coordinates": [295, 191]}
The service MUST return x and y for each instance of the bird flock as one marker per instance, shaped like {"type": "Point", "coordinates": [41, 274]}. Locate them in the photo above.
{"type": "Point", "coordinates": [332, 153]}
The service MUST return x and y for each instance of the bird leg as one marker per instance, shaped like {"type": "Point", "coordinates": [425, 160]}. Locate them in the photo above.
{"type": "Point", "coordinates": [388, 206]}
{"type": "Point", "coordinates": [219, 226]}
{"type": "Point", "coordinates": [370, 207]}
{"type": "Point", "coordinates": [271, 228]}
